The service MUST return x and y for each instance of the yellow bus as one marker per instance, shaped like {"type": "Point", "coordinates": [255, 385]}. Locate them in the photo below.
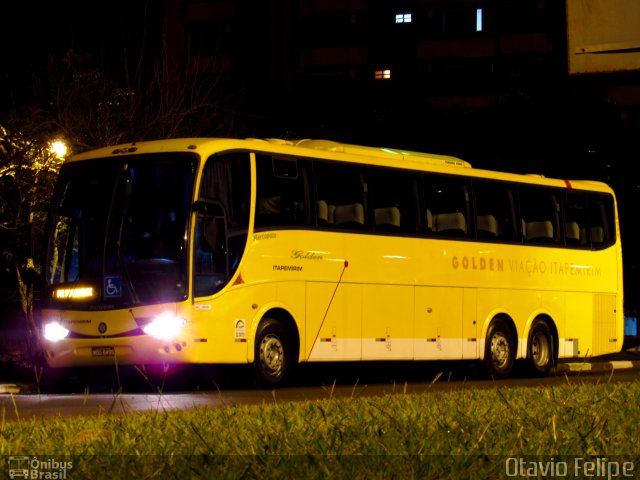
{"type": "Point", "coordinates": [272, 253]}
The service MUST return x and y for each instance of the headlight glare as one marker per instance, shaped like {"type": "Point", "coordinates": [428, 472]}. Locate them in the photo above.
{"type": "Point", "coordinates": [54, 332]}
{"type": "Point", "coordinates": [165, 327]}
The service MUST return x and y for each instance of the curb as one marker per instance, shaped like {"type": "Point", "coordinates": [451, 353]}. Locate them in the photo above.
{"type": "Point", "coordinates": [573, 367]}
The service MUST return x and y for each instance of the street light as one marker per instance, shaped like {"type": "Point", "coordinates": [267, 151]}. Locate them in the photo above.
{"type": "Point", "coordinates": [58, 148]}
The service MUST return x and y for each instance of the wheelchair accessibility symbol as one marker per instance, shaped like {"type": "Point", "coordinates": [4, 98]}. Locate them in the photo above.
{"type": "Point", "coordinates": [112, 287]}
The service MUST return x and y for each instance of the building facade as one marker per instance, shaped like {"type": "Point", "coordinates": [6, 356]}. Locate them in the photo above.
{"type": "Point", "coordinates": [486, 80]}
{"type": "Point", "coordinates": [362, 61]}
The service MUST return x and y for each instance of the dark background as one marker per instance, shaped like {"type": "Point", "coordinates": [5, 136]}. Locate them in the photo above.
{"type": "Point", "coordinates": [500, 98]}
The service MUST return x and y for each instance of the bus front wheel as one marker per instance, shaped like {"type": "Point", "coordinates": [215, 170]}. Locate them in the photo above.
{"type": "Point", "coordinates": [499, 353]}
{"type": "Point", "coordinates": [540, 357]}
{"type": "Point", "coordinates": [273, 358]}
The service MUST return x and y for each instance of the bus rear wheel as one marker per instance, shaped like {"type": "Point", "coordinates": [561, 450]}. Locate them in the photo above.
{"type": "Point", "coordinates": [499, 354]}
{"type": "Point", "coordinates": [273, 359]}
{"type": "Point", "coordinates": [540, 356]}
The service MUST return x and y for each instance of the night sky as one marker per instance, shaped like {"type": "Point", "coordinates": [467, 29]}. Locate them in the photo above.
{"type": "Point", "coordinates": [104, 30]}
{"type": "Point", "coordinates": [30, 32]}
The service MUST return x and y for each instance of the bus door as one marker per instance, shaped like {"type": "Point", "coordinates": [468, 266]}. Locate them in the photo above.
{"type": "Point", "coordinates": [211, 265]}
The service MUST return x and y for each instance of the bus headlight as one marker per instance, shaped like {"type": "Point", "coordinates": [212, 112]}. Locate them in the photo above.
{"type": "Point", "coordinates": [165, 327]}
{"type": "Point", "coordinates": [54, 332]}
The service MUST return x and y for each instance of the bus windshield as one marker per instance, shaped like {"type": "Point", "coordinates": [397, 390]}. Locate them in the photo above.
{"type": "Point", "coordinates": [118, 230]}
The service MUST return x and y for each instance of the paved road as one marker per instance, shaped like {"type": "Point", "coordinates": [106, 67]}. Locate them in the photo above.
{"type": "Point", "coordinates": [27, 403]}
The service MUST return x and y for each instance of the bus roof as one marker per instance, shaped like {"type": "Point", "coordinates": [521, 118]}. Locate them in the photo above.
{"type": "Point", "coordinates": [390, 153]}
{"type": "Point", "coordinates": [324, 145]}
{"type": "Point", "coordinates": [334, 149]}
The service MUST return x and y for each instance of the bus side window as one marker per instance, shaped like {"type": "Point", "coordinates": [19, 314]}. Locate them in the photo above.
{"type": "Point", "coordinates": [495, 211]}
{"type": "Point", "coordinates": [601, 220]}
{"type": "Point", "coordinates": [540, 212]}
{"type": "Point", "coordinates": [394, 200]}
{"type": "Point", "coordinates": [448, 201]}
{"type": "Point", "coordinates": [341, 195]}
{"type": "Point", "coordinates": [575, 220]}
{"type": "Point", "coordinates": [282, 195]}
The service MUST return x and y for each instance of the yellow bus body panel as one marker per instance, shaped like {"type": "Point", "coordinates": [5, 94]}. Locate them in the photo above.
{"type": "Point", "coordinates": [358, 296]}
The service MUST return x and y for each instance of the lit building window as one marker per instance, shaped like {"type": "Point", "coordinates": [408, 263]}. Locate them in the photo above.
{"type": "Point", "coordinates": [382, 74]}
{"type": "Point", "coordinates": [478, 20]}
{"type": "Point", "coordinates": [403, 18]}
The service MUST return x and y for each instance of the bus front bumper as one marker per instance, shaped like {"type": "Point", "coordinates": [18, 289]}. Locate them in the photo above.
{"type": "Point", "coordinates": [119, 351]}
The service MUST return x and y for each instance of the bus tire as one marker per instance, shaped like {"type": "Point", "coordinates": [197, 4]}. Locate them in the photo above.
{"type": "Point", "coordinates": [540, 355]}
{"type": "Point", "coordinates": [499, 350]}
{"type": "Point", "coordinates": [273, 360]}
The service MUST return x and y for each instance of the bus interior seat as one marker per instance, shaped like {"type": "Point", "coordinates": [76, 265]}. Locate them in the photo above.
{"type": "Point", "coordinates": [387, 218]}
{"type": "Point", "coordinates": [270, 205]}
{"type": "Point", "coordinates": [597, 234]}
{"type": "Point", "coordinates": [348, 216]}
{"type": "Point", "coordinates": [450, 223]}
{"type": "Point", "coordinates": [539, 231]}
{"type": "Point", "coordinates": [299, 208]}
{"type": "Point", "coordinates": [487, 226]}
{"type": "Point", "coordinates": [429, 221]}
{"type": "Point", "coordinates": [572, 232]}
{"type": "Point", "coordinates": [325, 213]}
{"type": "Point", "coordinates": [269, 210]}
{"type": "Point", "coordinates": [583, 235]}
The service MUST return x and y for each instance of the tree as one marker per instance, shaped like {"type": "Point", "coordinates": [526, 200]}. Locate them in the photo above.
{"type": "Point", "coordinates": [28, 169]}
{"type": "Point", "coordinates": [92, 106]}
{"type": "Point", "coordinates": [91, 109]}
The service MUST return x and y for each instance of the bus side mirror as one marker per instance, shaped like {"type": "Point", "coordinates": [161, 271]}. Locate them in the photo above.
{"type": "Point", "coordinates": [208, 208]}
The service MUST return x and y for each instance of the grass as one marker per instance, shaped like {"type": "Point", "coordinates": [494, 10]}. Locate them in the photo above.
{"type": "Point", "coordinates": [460, 434]}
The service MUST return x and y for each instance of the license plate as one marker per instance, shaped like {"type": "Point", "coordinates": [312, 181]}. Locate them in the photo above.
{"type": "Point", "coordinates": [103, 351]}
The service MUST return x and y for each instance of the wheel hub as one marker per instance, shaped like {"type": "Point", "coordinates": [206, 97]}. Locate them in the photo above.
{"type": "Point", "coordinates": [272, 354]}
{"type": "Point", "coordinates": [500, 350]}
{"type": "Point", "coordinates": [539, 350]}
